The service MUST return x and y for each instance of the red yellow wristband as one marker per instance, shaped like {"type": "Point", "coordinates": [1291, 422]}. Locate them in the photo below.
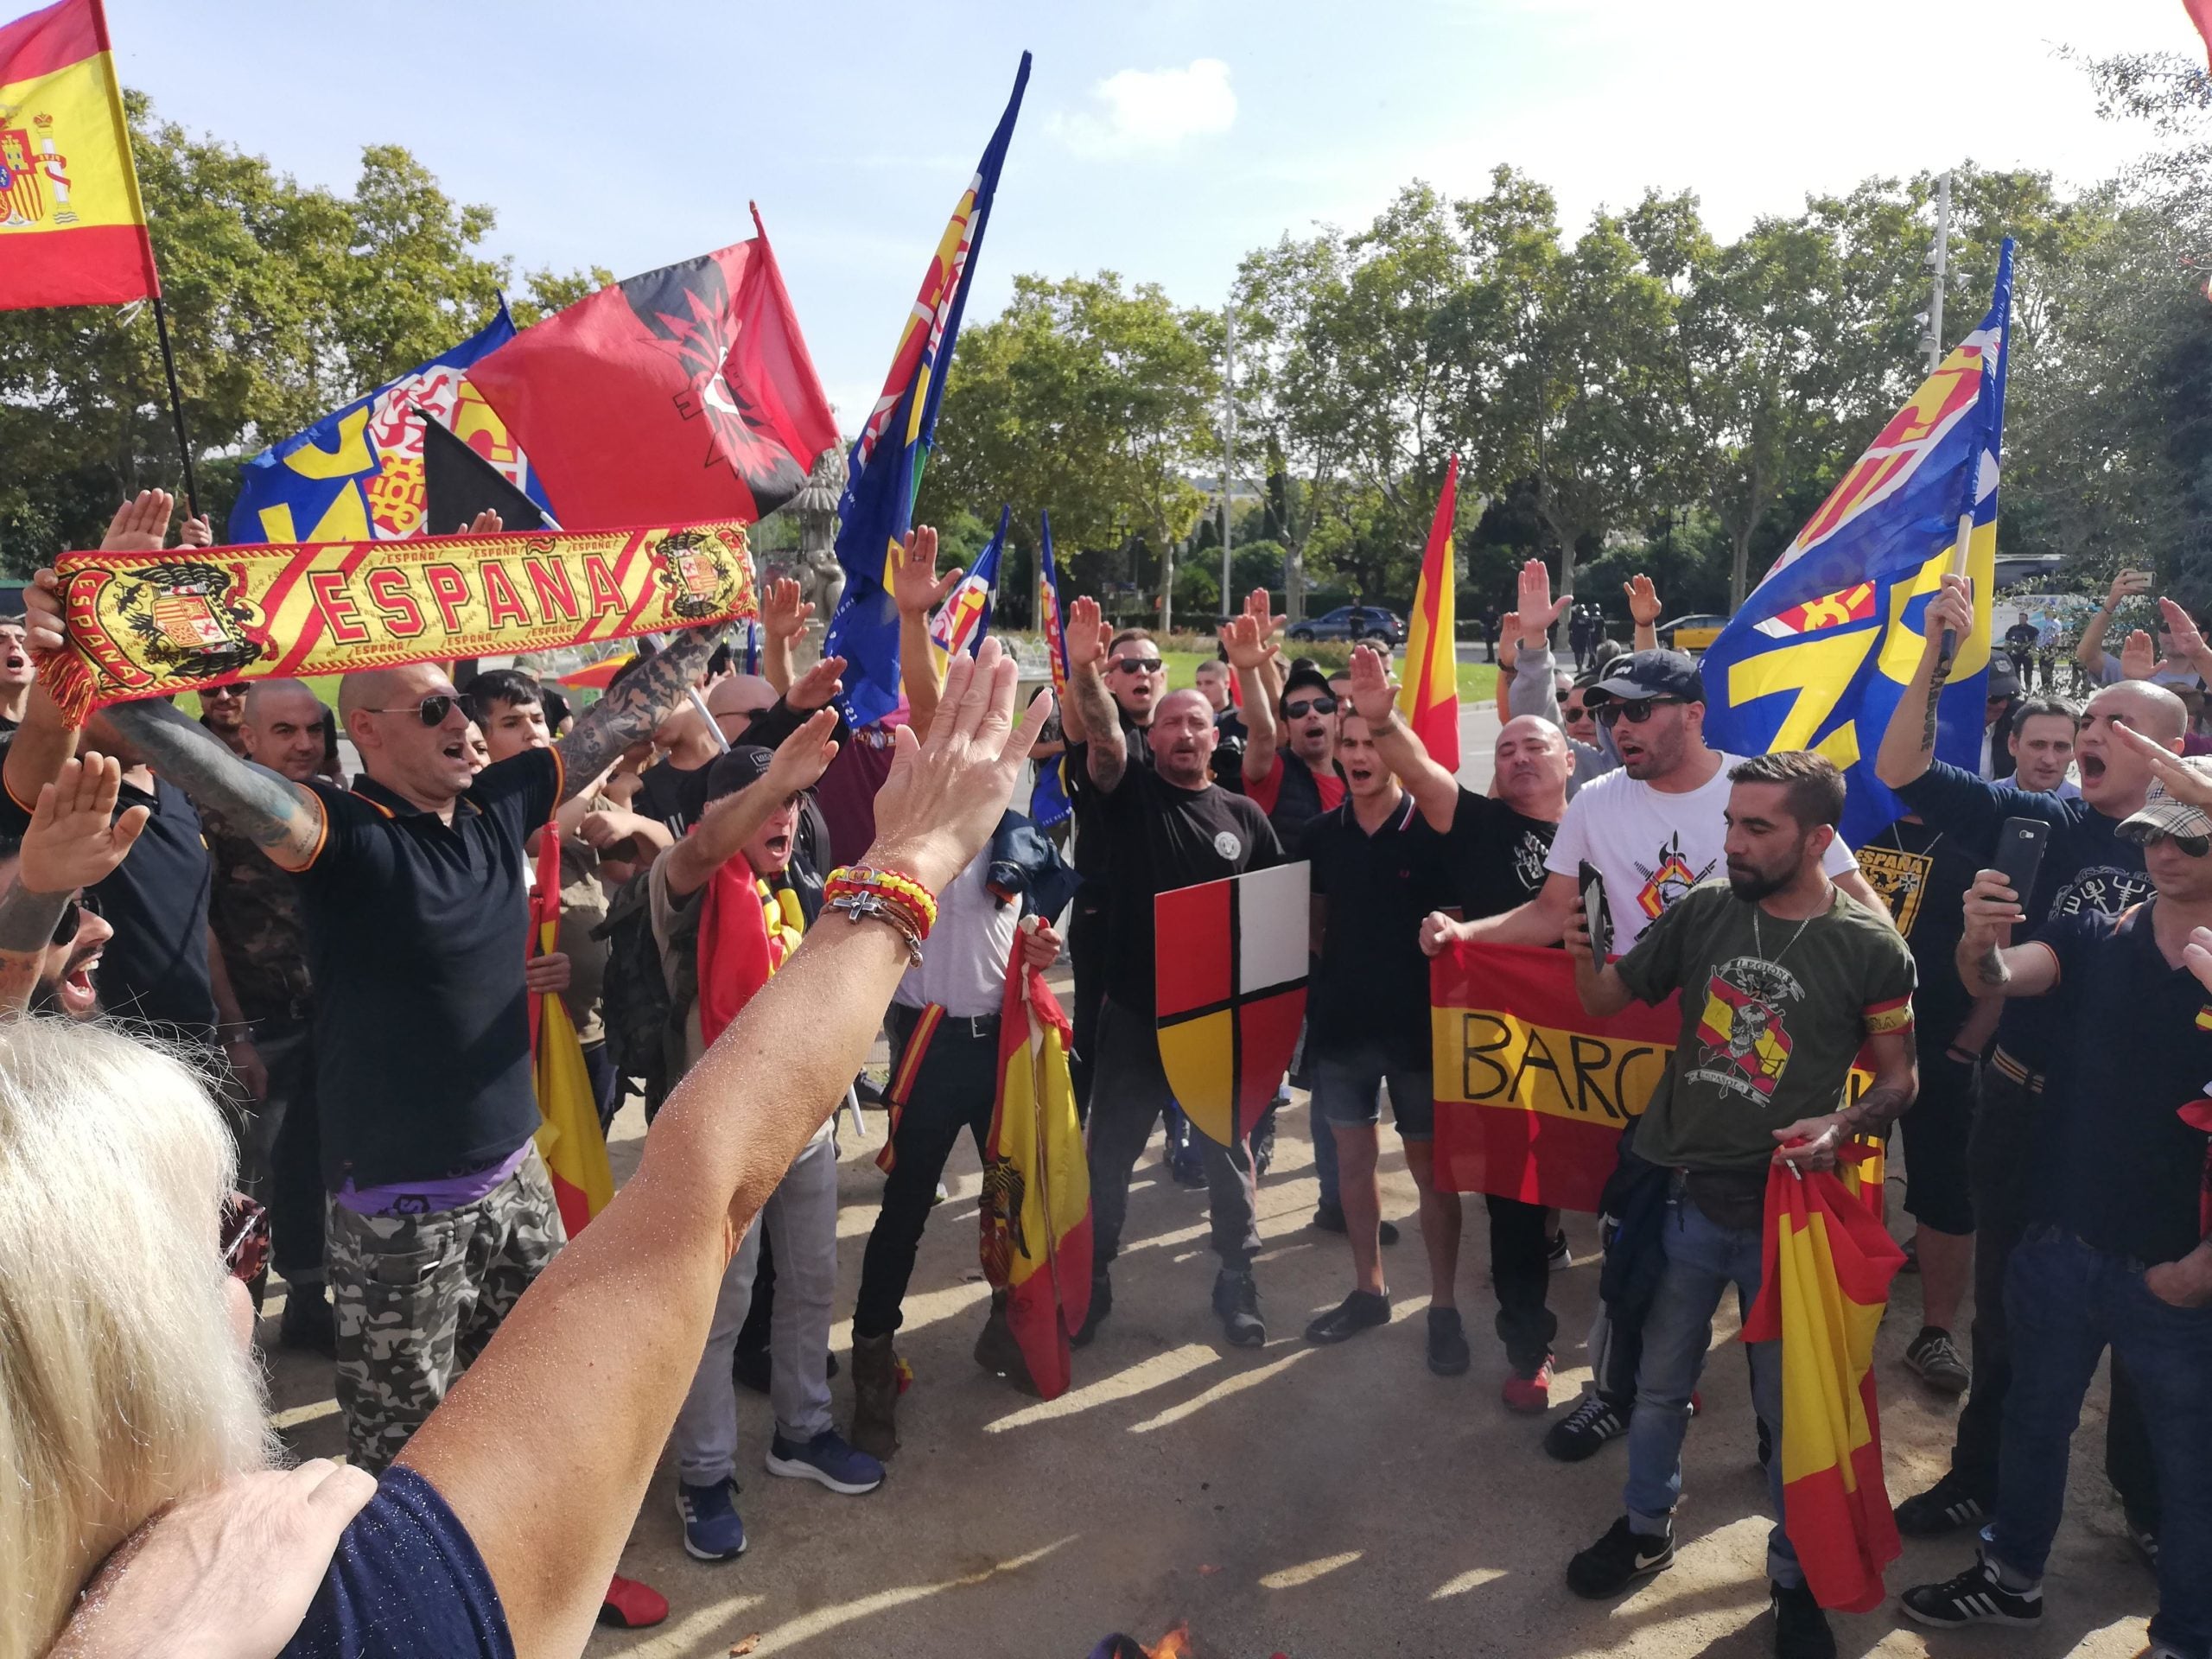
{"type": "Point", "coordinates": [884, 895]}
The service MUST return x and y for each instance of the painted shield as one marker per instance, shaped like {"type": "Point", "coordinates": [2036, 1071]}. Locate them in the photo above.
{"type": "Point", "coordinates": [1230, 976]}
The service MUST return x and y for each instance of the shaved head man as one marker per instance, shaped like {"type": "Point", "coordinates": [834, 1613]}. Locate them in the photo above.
{"type": "Point", "coordinates": [282, 728]}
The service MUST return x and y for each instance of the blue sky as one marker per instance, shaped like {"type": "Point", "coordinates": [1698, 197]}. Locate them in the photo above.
{"type": "Point", "coordinates": [1162, 140]}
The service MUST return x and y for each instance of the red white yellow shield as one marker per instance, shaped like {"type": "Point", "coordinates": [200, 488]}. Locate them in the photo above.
{"type": "Point", "coordinates": [1230, 976]}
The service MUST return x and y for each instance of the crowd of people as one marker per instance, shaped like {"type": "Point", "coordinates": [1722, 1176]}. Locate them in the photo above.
{"type": "Point", "coordinates": [273, 1017]}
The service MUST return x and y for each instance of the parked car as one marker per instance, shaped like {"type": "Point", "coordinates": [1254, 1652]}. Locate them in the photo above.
{"type": "Point", "coordinates": [1353, 622]}
{"type": "Point", "coordinates": [1691, 633]}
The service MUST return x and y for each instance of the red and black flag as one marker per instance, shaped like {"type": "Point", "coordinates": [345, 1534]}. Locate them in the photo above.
{"type": "Point", "coordinates": [686, 392]}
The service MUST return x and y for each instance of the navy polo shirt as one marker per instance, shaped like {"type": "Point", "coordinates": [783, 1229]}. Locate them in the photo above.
{"type": "Point", "coordinates": [418, 930]}
{"type": "Point", "coordinates": [154, 971]}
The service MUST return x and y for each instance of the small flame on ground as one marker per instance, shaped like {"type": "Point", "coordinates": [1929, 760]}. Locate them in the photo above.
{"type": "Point", "coordinates": [1176, 1644]}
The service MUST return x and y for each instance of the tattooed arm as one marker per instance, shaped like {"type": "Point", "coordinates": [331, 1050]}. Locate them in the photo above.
{"type": "Point", "coordinates": [1107, 754]}
{"type": "Point", "coordinates": [74, 839]}
{"type": "Point", "coordinates": [284, 819]}
{"type": "Point", "coordinates": [1986, 962]}
{"type": "Point", "coordinates": [634, 709]}
{"type": "Point", "coordinates": [1909, 745]}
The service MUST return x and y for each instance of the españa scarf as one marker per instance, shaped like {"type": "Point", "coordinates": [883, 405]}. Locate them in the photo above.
{"type": "Point", "coordinates": [747, 931]}
{"type": "Point", "coordinates": [144, 625]}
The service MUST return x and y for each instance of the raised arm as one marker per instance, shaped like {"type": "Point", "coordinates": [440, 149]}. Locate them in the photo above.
{"type": "Point", "coordinates": [1908, 744]}
{"type": "Point", "coordinates": [544, 1448]}
{"type": "Point", "coordinates": [917, 590]}
{"type": "Point", "coordinates": [1538, 611]}
{"type": "Point", "coordinates": [1249, 649]}
{"type": "Point", "coordinates": [1375, 700]}
{"type": "Point", "coordinates": [74, 839]}
{"type": "Point", "coordinates": [1106, 754]}
{"type": "Point", "coordinates": [783, 620]}
{"type": "Point", "coordinates": [1643, 610]}
{"type": "Point", "coordinates": [2089, 650]}
{"type": "Point", "coordinates": [800, 760]}
{"type": "Point", "coordinates": [634, 709]}
{"type": "Point", "coordinates": [1988, 964]}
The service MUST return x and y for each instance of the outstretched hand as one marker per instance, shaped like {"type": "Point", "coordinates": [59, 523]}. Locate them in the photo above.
{"type": "Point", "coordinates": [1087, 633]}
{"type": "Point", "coordinates": [946, 795]}
{"type": "Point", "coordinates": [2139, 657]}
{"type": "Point", "coordinates": [2178, 778]}
{"type": "Point", "coordinates": [2188, 642]}
{"type": "Point", "coordinates": [814, 688]}
{"type": "Point", "coordinates": [801, 758]}
{"type": "Point", "coordinates": [74, 838]}
{"type": "Point", "coordinates": [784, 613]}
{"type": "Point", "coordinates": [1643, 600]}
{"type": "Point", "coordinates": [1538, 610]}
{"type": "Point", "coordinates": [916, 588]}
{"type": "Point", "coordinates": [140, 525]}
{"type": "Point", "coordinates": [1373, 697]}
{"type": "Point", "coordinates": [1248, 646]}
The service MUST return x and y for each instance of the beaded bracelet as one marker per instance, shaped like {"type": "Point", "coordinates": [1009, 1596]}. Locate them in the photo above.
{"type": "Point", "coordinates": [905, 903]}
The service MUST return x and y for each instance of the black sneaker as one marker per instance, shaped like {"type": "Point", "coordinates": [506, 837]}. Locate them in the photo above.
{"type": "Point", "coordinates": [1559, 1253]}
{"type": "Point", "coordinates": [1448, 1343]}
{"type": "Point", "coordinates": [1329, 1218]}
{"type": "Point", "coordinates": [1236, 1298]}
{"type": "Point", "coordinates": [2144, 1536]}
{"type": "Point", "coordinates": [308, 1321]}
{"type": "Point", "coordinates": [1588, 1426]}
{"type": "Point", "coordinates": [1971, 1597]}
{"type": "Point", "coordinates": [1934, 1356]}
{"type": "Point", "coordinates": [1361, 1311]}
{"type": "Point", "coordinates": [1187, 1171]}
{"type": "Point", "coordinates": [1619, 1560]}
{"type": "Point", "coordinates": [1801, 1629]}
{"type": "Point", "coordinates": [1101, 1303]}
{"type": "Point", "coordinates": [1945, 1506]}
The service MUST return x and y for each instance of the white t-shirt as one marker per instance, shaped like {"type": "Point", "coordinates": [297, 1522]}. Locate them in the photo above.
{"type": "Point", "coordinates": [1652, 847]}
{"type": "Point", "coordinates": [963, 959]}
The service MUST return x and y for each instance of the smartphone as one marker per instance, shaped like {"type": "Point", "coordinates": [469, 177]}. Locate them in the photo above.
{"type": "Point", "coordinates": [2020, 846]}
{"type": "Point", "coordinates": [1600, 919]}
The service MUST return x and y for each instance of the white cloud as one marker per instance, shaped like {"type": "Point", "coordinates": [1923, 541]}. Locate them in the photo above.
{"type": "Point", "coordinates": [1151, 110]}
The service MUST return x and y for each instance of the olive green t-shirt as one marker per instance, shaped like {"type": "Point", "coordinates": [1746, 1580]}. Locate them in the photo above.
{"type": "Point", "coordinates": [1772, 1018]}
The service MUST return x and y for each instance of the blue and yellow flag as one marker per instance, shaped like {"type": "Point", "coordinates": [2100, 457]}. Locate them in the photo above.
{"type": "Point", "coordinates": [356, 475]}
{"type": "Point", "coordinates": [1048, 800]}
{"type": "Point", "coordinates": [965, 617]}
{"type": "Point", "coordinates": [885, 472]}
{"type": "Point", "coordinates": [1821, 651]}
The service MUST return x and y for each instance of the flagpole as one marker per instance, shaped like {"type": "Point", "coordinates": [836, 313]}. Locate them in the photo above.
{"type": "Point", "coordinates": [176, 409]}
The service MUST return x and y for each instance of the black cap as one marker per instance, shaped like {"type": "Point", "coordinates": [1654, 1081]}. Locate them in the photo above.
{"type": "Point", "coordinates": [1304, 676]}
{"type": "Point", "coordinates": [1648, 674]}
{"type": "Point", "coordinates": [740, 768]}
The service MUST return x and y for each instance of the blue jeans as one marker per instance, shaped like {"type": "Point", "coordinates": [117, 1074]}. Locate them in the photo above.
{"type": "Point", "coordinates": [1703, 1260]}
{"type": "Point", "coordinates": [2065, 1303]}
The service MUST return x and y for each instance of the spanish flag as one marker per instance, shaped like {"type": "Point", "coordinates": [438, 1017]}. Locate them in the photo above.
{"type": "Point", "coordinates": [1429, 698]}
{"type": "Point", "coordinates": [1036, 1209]}
{"type": "Point", "coordinates": [1828, 1263]}
{"type": "Point", "coordinates": [569, 1139]}
{"type": "Point", "coordinates": [73, 230]}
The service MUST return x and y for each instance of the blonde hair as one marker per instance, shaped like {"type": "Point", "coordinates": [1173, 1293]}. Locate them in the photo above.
{"type": "Point", "coordinates": [123, 1385]}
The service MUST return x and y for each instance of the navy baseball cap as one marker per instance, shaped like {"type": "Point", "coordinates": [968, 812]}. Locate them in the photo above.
{"type": "Point", "coordinates": [1648, 674]}
{"type": "Point", "coordinates": [740, 768]}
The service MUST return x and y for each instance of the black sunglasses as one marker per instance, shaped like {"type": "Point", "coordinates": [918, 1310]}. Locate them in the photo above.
{"type": "Point", "coordinates": [1311, 706]}
{"type": "Point", "coordinates": [1136, 665]}
{"type": "Point", "coordinates": [2192, 845]}
{"type": "Point", "coordinates": [1635, 710]}
{"type": "Point", "coordinates": [222, 691]}
{"type": "Point", "coordinates": [433, 709]}
{"type": "Point", "coordinates": [72, 918]}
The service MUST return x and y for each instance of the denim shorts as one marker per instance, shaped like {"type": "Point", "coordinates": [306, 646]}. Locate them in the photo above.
{"type": "Point", "coordinates": [1347, 1090]}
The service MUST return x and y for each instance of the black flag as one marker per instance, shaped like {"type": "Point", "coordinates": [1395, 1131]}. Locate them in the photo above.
{"type": "Point", "coordinates": [458, 483]}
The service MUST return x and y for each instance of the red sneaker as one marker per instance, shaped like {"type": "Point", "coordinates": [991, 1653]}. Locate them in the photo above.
{"type": "Point", "coordinates": [1530, 1393]}
{"type": "Point", "coordinates": [632, 1605]}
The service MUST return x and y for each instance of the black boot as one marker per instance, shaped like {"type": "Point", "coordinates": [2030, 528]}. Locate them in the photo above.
{"type": "Point", "coordinates": [875, 1395]}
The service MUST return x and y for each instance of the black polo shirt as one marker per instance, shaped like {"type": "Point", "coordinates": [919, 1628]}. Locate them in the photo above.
{"type": "Point", "coordinates": [2088, 866]}
{"type": "Point", "coordinates": [1158, 838]}
{"type": "Point", "coordinates": [1084, 796]}
{"type": "Point", "coordinates": [153, 972]}
{"type": "Point", "coordinates": [2131, 1045]}
{"type": "Point", "coordinates": [416, 933]}
{"type": "Point", "coordinates": [1370, 982]}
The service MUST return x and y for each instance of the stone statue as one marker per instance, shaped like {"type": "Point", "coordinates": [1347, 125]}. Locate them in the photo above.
{"type": "Point", "coordinates": [821, 578]}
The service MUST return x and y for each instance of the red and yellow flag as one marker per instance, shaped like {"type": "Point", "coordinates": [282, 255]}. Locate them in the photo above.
{"type": "Point", "coordinates": [1532, 1093]}
{"type": "Point", "coordinates": [1036, 1209]}
{"type": "Point", "coordinates": [1829, 1262]}
{"type": "Point", "coordinates": [569, 1138]}
{"type": "Point", "coordinates": [73, 230]}
{"type": "Point", "coordinates": [1430, 697]}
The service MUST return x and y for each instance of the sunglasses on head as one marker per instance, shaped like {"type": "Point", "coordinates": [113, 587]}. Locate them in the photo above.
{"type": "Point", "coordinates": [1137, 665]}
{"type": "Point", "coordinates": [432, 710]}
{"type": "Point", "coordinates": [1315, 705]}
{"type": "Point", "coordinates": [1635, 710]}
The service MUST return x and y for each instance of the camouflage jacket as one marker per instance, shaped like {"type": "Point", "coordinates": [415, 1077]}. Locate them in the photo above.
{"type": "Point", "coordinates": [254, 909]}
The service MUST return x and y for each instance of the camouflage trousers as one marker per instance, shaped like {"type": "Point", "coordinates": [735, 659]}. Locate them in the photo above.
{"type": "Point", "coordinates": [419, 1296]}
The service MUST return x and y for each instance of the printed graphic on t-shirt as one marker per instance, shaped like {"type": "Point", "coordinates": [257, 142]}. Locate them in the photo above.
{"type": "Point", "coordinates": [1746, 1046]}
{"type": "Point", "coordinates": [1227, 844]}
{"type": "Point", "coordinates": [2100, 887]}
{"type": "Point", "coordinates": [1900, 878]}
{"type": "Point", "coordinates": [1528, 854]}
{"type": "Point", "coordinates": [1663, 888]}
